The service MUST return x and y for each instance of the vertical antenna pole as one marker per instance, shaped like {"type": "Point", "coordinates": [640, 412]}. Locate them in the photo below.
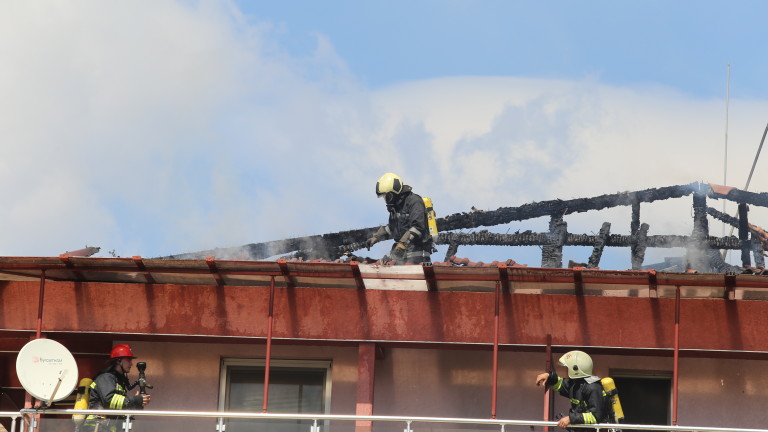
{"type": "Point", "coordinates": [725, 157]}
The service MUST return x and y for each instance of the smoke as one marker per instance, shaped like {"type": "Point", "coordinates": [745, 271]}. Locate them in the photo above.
{"type": "Point", "coordinates": [164, 127]}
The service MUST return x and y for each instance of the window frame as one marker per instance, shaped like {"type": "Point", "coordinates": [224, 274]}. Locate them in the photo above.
{"type": "Point", "coordinates": [227, 362]}
{"type": "Point", "coordinates": [661, 375]}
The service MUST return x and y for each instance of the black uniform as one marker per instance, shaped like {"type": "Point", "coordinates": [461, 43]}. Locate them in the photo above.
{"type": "Point", "coordinates": [109, 391]}
{"type": "Point", "coordinates": [589, 404]}
{"type": "Point", "coordinates": [408, 221]}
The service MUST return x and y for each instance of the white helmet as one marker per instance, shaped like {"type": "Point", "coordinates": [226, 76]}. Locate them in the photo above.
{"type": "Point", "coordinates": [389, 183]}
{"type": "Point", "coordinates": [579, 364]}
{"type": "Point", "coordinates": [389, 186]}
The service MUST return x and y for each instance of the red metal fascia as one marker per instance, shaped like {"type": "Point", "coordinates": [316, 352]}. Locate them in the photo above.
{"type": "Point", "coordinates": [384, 315]}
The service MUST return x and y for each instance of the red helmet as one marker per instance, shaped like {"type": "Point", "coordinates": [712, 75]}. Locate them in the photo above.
{"type": "Point", "coordinates": [122, 350]}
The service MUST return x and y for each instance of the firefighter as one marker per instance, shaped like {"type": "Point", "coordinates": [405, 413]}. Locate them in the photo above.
{"type": "Point", "coordinates": [109, 390]}
{"type": "Point", "coordinates": [588, 400]}
{"type": "Point", "coordinates": [407, 225]}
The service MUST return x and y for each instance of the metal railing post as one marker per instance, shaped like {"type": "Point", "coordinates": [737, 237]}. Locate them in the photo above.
{"type": "Point", "coordinates": [31, 424]}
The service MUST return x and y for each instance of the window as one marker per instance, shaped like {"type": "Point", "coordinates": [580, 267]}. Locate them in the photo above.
{"type": "Point", "coordinates": [646, 396]}
{"type": "Point", "coordinates": [295, 386]}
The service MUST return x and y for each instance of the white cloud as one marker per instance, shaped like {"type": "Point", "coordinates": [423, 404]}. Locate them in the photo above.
{"type": "Point", "coordinates": [164, 127]}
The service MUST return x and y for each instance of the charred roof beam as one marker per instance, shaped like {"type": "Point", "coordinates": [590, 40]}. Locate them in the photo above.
{"type": "Point", "coordinates": [487, 238]}
{"type": "Point", "coordinates": [560, 207]}
{"type": "Point", "coordinates": [639, 246]}
{"type": "Point", "coordinates": [335, 244]}
{"type": "Point", "coordinates": [738, 195]}
{"type": "Point", "coordinates": [552, 252]}
{"type": "Point", "coordinates": [600, 240]}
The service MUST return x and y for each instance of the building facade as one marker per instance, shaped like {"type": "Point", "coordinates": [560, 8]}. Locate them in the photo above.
{"type": "Point", "coordinates": [455, 342]}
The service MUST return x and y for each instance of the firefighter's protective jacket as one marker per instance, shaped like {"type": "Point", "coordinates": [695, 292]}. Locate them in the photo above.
{"type": "Point", "coordinates": [587, 398]}
{"type": "Point", "coordinates": [109, 391]}
{"type": "Point", "coordinates": [409, 215]}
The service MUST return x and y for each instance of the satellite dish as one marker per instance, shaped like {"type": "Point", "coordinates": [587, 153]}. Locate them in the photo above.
{"type": "Point", "coordinates": [46, 370]}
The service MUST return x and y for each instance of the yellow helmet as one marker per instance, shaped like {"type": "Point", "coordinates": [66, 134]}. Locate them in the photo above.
{"type": "Point", "coordinates": [579, 364]}
{"type": "Point", "coordinates": [389, 183]}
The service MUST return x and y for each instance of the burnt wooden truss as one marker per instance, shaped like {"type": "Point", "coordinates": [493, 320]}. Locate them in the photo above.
{"type": "Point", "coordinates": [702, 251]}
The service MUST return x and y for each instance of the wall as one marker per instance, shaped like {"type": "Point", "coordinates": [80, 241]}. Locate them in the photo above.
{"type": "Point", "coordinates": [450, 382]}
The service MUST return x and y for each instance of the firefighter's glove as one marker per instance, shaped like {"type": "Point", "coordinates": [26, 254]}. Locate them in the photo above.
{"type": "Point", "coordinates": [398, 252]}
{"type": "Point", "coordinates": [370, 242]}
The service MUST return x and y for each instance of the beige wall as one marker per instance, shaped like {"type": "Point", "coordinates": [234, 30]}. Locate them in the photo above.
{"type": "Point", "coordinates": [452, 382]}
{"type": "Point", "coordinates": [192, 370]}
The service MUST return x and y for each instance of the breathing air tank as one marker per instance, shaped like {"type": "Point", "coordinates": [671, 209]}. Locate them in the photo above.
{"type": "Point", "coordinates": [431, 221]}
{"type": "Point", "coordinates": [610, 389]}
{"type": "Point", "coordinates": [81, 401]}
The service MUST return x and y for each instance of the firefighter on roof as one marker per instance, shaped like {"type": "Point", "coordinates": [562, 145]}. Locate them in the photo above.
{"type": "Point", "coordinates": [589, 403]}
{"type": "Point", "coordinates": [109, 390]}
{"type": "Point", "coordinates": [408, 224]}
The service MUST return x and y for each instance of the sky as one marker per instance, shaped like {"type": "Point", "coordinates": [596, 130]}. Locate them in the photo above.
{"type": "Point", "coordinates": [161, 127]}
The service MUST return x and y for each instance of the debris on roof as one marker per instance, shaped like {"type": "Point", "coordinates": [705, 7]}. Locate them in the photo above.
{"type": "Point", "coordinates": [702, 250]}
{"type": "Point", "coordinates": [85, 252]}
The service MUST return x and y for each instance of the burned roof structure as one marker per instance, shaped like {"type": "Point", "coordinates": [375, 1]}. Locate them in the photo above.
{"type": "Point", "coordinates": [702, 250]}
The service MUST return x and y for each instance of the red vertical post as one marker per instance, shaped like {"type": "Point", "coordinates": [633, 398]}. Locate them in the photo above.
{"type": "Point", "coordinates": [28, 399]}
{"type": "Point", "coordinates": [495, 389]}
{"type": "Point", "coordinates": [40, 305]}
{"type": "Point", "coordinates": [269, 342]}
{"type": "Point", "coordinates": [366, 354]}
{"type": "Point", "coordinates": [547, 392]}
{"type": "Point", "coordinates": [676, 369]}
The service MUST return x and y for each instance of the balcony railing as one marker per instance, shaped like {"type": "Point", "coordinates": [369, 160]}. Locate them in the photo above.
{"type": "Point", "coordinates": [32, 420]}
